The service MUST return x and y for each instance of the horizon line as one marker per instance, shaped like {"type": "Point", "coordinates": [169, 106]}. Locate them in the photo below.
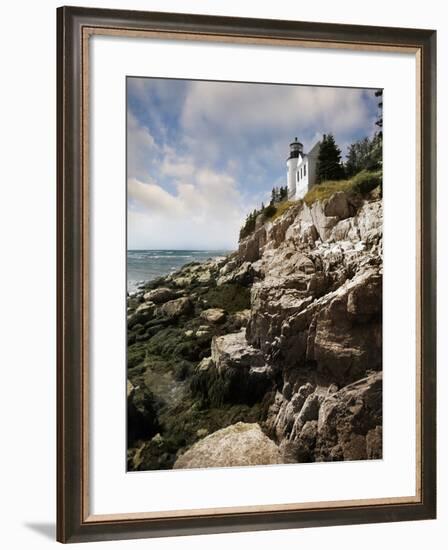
{"type": "Point", "coordinates": [181, 249]}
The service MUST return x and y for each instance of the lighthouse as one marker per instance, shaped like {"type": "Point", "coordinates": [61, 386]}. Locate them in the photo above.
{"type": "Point", "coordinates": [301, 169]}
{"type": "Point", "coordinates": [295, 156]}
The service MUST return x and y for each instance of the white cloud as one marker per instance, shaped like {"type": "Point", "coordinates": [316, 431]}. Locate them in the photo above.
{"type": "Point", "coordinates": [250, 125]}
{"type": "Point", "coordinates": [175, 167]}
{"type": "Point", "coordinates": [152, 198]}
{"type": "Point", "coordinates": [142, 149]}
{"type": "Point", "coordinates": [244, 109]}
{"type": "Point", "coordinates": [205, 212]}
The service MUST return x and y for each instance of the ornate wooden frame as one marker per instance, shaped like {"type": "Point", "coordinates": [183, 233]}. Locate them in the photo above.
{"type": "Point", "coordinates": [75, 26]}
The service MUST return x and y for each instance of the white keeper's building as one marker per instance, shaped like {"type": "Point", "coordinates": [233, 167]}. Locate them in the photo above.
{"type": "Point", "coordinates": [301, 169]}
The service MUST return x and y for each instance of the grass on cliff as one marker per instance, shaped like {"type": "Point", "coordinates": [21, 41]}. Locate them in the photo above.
{"type": "Point", "coordinates": [362, 184]}
{"type": "Point", "coordinates": [281, 208]}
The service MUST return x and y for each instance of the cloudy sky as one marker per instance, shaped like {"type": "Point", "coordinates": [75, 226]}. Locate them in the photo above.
{"type": "Point", "coordinates": [200, 155]}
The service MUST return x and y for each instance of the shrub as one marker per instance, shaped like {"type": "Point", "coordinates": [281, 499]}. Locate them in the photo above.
{"type": "Point", "coordinates": [270, 211]}
{"type": "Point", "coordinates": [365, 181]}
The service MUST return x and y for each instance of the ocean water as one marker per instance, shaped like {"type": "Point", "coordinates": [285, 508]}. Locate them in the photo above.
{"type": "Point", "coordinates": [146, 265]}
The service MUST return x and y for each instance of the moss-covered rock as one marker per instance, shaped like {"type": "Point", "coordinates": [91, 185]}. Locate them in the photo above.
{"type": "Point", "coordinates": [231, 297]}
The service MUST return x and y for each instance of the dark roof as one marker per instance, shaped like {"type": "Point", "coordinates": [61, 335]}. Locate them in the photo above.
{"type": "Point", "coordinates": [296, 142]}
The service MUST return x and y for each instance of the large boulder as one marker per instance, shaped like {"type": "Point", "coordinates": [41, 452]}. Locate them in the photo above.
{"type": "Point", "coordinates": [240, 444]}
{"type": "Point", "coordinates": [142, 314]}
{"type": "Point", "coordinates": [214, 315]}
{"type": "Point", "coordinates": [236, 372]}
{"type": "Point", "coordinates": [176, 308]}
{"type": "Point", "coordinates": [159, 295]}
{"type": "Point", "coordinates": [242, 275]}
{"type": "Point", "coordinates": [233, 351]}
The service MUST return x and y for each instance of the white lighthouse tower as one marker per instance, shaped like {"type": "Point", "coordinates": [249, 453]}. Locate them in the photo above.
{"type": "Point", "coordinates": [301, 169]}
{"type": "Point", "coordinates": [295, 154]}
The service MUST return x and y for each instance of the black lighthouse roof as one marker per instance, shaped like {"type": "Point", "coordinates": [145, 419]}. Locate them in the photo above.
{"type": "Point", "coordinates": [295, 143]}
{"type": "Point", "coordinates": [295, 148]}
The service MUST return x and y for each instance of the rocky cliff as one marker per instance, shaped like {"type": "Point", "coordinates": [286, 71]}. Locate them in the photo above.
{"type": "Point", "coordinates": [284, 335]}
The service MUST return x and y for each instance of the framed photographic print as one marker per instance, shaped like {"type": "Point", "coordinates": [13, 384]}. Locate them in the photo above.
{"type": "Point", "coordinates": [246, 274]}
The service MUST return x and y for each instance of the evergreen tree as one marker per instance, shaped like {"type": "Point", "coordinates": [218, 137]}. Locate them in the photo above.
{"type": "Point", "coordinates": [351, 164]}
{"type": "Point", "coordinates": [364, 154]}
{"type": "Point", "coordinates": [276, 195]}
{"type": "Point", "coordinates": [329, 165]}
{"type": "Point", "coordinates": [379, 121]}
{"type": "Point", "coordinates": [376, 153]}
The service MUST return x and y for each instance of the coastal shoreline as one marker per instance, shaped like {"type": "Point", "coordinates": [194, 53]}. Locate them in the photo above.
{"type": "Point", "coordinates": [276, 346]}
{"type": "Point", "coordinates": [145, 265]}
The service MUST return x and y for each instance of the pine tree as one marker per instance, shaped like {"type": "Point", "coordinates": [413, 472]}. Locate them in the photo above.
{"type": "Point", "coordinates": [329, 165]}
{"type": "Point", "coordinates": [376, 153]}
{"type": "Point", "coordinates": [276, 195]}
{"type": "Point", "coordinates": [351, 164]}
{"type": "Point", "coordinates": [364, 154]}
{"type": "Point", "coordinates": [379, 121]}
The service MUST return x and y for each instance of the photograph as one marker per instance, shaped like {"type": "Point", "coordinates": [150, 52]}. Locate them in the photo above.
{"type": "Point", "coordinates": [246, 273]}
{"type": "Point", "coordinates": [254, 274]}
